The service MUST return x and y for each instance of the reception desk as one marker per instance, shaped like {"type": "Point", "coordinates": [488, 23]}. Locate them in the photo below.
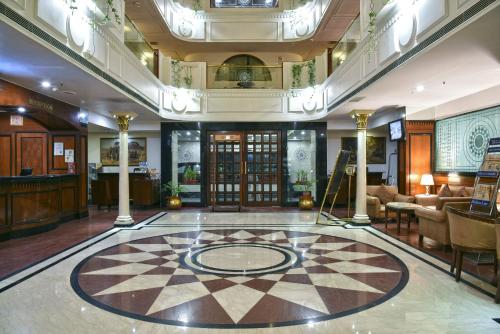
{"type": "Point", "coordinates": [37, 203]}
{"type": "Point", "coordinates": [144, 190]}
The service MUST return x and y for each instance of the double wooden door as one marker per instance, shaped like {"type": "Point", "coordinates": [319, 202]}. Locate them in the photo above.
{"type": "Point", "coordinates": [245, 168]}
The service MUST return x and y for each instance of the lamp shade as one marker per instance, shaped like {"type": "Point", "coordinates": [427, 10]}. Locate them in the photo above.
{"type": "Point", "coordinates": [427, 180]}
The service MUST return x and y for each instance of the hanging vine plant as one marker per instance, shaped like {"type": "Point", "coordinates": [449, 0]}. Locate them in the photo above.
{"type": "Point", "coordinates": [197, 5]}
{"type": "Point", "coordinates": [111, 10]}
{"type": "Point", "coordinates": [176, 73]}
{"type": "Point", "coordinates": [188, 76]}
{"type": "Point", "coordinates": [372, 25]}
{"type": "Point", "coordinates": [311, 72]}
{"type": "Point", "coordinates": [296, 75]}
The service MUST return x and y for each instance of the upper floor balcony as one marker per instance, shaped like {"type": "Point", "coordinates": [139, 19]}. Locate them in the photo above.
{"type": "Point", "coordinates": [84, 37]}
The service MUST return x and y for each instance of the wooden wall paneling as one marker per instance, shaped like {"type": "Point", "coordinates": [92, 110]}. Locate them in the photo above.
{"type": "Point", "coordinates": [35, 208]}
{"type": "Point", "coordinates": [464, 180]}
{"type": "Point", "coordinates": [4, 221]}
{"type": "Point", "coordinates": [69, 200]}
{"type": "Point", "coordinates": [420, 161]}
{"type": "Point", "coordinates": [82, 165]}
{"type": "Point", "coordinates": [416, 156]}
{"type": "Point", "coordinates": [5, 155]}
{"type": "Point", "coordinates": [31, 152]}
{"type": "Point", "coordinates": [57, 164]}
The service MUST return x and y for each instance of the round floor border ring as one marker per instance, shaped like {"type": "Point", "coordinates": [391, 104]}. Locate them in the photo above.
{"type": "Point", "coordinates": [290, 260]}
{"type": "Point", "coordinates": [394, 291]}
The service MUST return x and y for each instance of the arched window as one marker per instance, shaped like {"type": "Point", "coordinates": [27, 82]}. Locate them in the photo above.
{"type": "Point", "coordinates": [244, 69]}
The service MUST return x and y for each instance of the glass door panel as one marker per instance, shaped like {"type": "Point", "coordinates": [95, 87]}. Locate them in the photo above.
{"type": "Point", "coordinates": [225, 156]}
{"type": "Point", "coordinates": [263, 172]}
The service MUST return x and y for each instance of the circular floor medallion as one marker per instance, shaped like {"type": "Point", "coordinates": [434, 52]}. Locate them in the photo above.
{"type": "Point", "coordinates": [240, 259]}
{"type": "Point", "coordinates": [239, 278]}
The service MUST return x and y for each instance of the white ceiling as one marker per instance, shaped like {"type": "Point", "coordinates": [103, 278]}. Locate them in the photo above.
{"type": "Point", "coordinates": [27, 63]}
{"type": "Point", "coordinates": [463, 64]}
{"type": "Point", "coordinates": [149, 21]}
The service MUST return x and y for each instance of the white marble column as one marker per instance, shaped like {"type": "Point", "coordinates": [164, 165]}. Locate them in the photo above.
{"type": "Point", "coordinates": [124, 218]}
{"type": "Point", "coordinates": [361, 117]}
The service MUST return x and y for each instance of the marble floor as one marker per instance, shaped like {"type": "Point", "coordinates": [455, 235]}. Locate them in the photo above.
{"type": "Point", "coordinates": [197, 272]}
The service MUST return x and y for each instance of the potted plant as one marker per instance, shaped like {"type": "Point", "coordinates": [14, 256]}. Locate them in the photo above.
{"type": "Point", "coordinates": [173, 200]}
{"type": "Point", "coordinates": [306, 201]}
{"type": "Point", "coordinates": [300, 179]}
{"type": "Point", "coordinates": [189, 176]}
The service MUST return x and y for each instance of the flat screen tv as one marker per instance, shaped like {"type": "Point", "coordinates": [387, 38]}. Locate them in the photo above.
{"type": "Point", "coordinates": [397, 130]}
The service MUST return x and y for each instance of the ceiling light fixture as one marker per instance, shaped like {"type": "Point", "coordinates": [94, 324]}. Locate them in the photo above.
{"type": "Point", "coordinates": [188, 133]}
{"type": "Point", "coordinates": [419, 88]}
{"type": "Point", "coordinates": [302, 132]}
{"type": "Point", "coordinates": [46, 84]}
{"type": "Point", "coordinates": [21, 109]}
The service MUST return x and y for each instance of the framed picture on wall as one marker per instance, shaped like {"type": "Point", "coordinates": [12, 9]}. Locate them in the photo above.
{"type": "Point", "coordinates": [375, 149]}
{"type": "Point", "coordinates": [110, 151]}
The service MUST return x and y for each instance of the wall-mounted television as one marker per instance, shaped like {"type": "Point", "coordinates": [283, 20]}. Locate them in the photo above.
{"type": "Point", "coordinates": [397, 130]}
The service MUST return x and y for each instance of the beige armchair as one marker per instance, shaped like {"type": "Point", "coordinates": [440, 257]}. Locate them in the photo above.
{"type": "Point", "coordinates": [375, 207]}
{"type": "Point", "coordinates": [433, 222]}
{"type": "Point", "coordinates": [469, 233]}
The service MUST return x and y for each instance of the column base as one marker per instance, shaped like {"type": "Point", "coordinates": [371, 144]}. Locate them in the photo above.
{"type": "Point", "coordinates": [361, 219]}
{"type": "Point", "coordinates": [124, 221]}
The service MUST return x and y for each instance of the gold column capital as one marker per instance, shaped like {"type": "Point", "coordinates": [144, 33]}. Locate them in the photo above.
{"type": "Point", "coordinates": [361, 118]}
{"type": "Point", "coordinates": [123, 119]}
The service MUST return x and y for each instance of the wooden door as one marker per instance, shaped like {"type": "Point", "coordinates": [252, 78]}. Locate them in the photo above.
{"type": "Point", "coordinates": [31, 152]}
{"type": "Point", "coordinates": [262, 172]}
{"type": "Point", "coordinates": [225, 168]}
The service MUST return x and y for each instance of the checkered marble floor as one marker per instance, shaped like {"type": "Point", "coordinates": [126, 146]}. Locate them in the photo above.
{"type": "Point", "coordinates": [238, 273]}
{"type": "Point", "coordinates": [153, 279]}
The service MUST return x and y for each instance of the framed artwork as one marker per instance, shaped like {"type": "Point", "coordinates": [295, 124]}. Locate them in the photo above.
{"type": "Point", "coordinates": [375, 149]}
{"type": "Point", "coordinates": [110, 151]}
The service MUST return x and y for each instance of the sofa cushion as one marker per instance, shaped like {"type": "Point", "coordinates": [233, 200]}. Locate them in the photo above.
{"type": "Point", "coordinates": [445, 191]}
{"type": "Point", "coordinates": [385, 194]}
{"type": "Point", "coordinates": [462, 192]}
{"type": "Point", "coordinates": [404, 198]}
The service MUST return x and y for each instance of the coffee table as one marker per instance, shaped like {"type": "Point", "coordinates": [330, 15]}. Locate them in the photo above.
{"type": "Point", "coordinates": [399, 208]}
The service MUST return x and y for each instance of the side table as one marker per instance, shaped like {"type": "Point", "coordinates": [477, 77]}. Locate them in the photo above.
{"type": "Point", "coordinates": [426, 200]}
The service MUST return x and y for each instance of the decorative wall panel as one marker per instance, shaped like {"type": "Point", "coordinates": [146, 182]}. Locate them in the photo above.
{"type": "Point", "coordinates": [462, 140]}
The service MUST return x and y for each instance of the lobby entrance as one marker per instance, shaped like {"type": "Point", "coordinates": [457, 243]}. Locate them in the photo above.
{"type": "Point", "coordinates": [245, 168]}
{"type": "Point", "coordinates": [238, 165]}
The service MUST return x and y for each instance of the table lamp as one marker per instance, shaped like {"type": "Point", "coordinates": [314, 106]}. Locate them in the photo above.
{"type": "Point", "coordinates": [427, 181]}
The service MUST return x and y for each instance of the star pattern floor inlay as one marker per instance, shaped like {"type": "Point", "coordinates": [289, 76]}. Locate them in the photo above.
{"type": "Point", "coordinates": [239, 278]}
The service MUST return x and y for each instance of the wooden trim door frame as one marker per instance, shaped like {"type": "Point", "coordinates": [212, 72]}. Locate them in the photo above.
{"type": "Point", "coordinates": [20, 151]}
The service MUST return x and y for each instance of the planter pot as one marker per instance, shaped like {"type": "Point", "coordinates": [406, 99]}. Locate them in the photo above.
{"type": "Point", "coordinates": [306, 201]}
{"type": "Point", "coordinates": [174, 203]}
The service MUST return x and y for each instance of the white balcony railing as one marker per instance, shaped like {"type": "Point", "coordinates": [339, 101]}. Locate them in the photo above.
{"type": "Point", "coordinates": [400, 27]}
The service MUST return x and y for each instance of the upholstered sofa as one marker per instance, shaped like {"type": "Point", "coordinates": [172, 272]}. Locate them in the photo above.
{"type": "Point", "coordinates": [375, 207]}
{"type": "Point", "coordinates": [432, 218]}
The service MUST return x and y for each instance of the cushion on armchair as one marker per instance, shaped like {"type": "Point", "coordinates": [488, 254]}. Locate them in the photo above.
{"type": "Point", "coordinates": [404, 199]}
{"type": "Point", "coordinates": [445, 191]}
{"type": "Point", "coordinates": [385, 194]}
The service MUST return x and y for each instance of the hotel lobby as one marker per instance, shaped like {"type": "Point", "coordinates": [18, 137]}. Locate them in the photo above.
{"type": "Point", "coordinates": [249, 166]}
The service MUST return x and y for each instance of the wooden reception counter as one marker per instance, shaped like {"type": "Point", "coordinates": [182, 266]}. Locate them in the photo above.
{"type": "Point", "coordinates": [37, 203]}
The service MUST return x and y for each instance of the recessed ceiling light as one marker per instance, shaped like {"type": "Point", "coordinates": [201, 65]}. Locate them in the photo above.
{"type": "Point", "coordinates": [302, 132]}
{"type": "Point", "coordinates": [46, 84]}
{"type": "Point", "coordinates": [419, 88]}
{"type": "Point", "coordinates": [21, 109]}
{"type": "Point", "coordinates": [188, 133]}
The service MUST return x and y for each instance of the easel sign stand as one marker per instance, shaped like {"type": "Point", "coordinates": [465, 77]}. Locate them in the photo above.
{"type": "Point", "coordinates": [334, 185]}
{"type": "Point", "coordinates": [487, 182]}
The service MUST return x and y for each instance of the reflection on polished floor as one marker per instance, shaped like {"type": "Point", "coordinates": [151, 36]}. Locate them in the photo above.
{"type": "Point", "coordinates": [189, 272]}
